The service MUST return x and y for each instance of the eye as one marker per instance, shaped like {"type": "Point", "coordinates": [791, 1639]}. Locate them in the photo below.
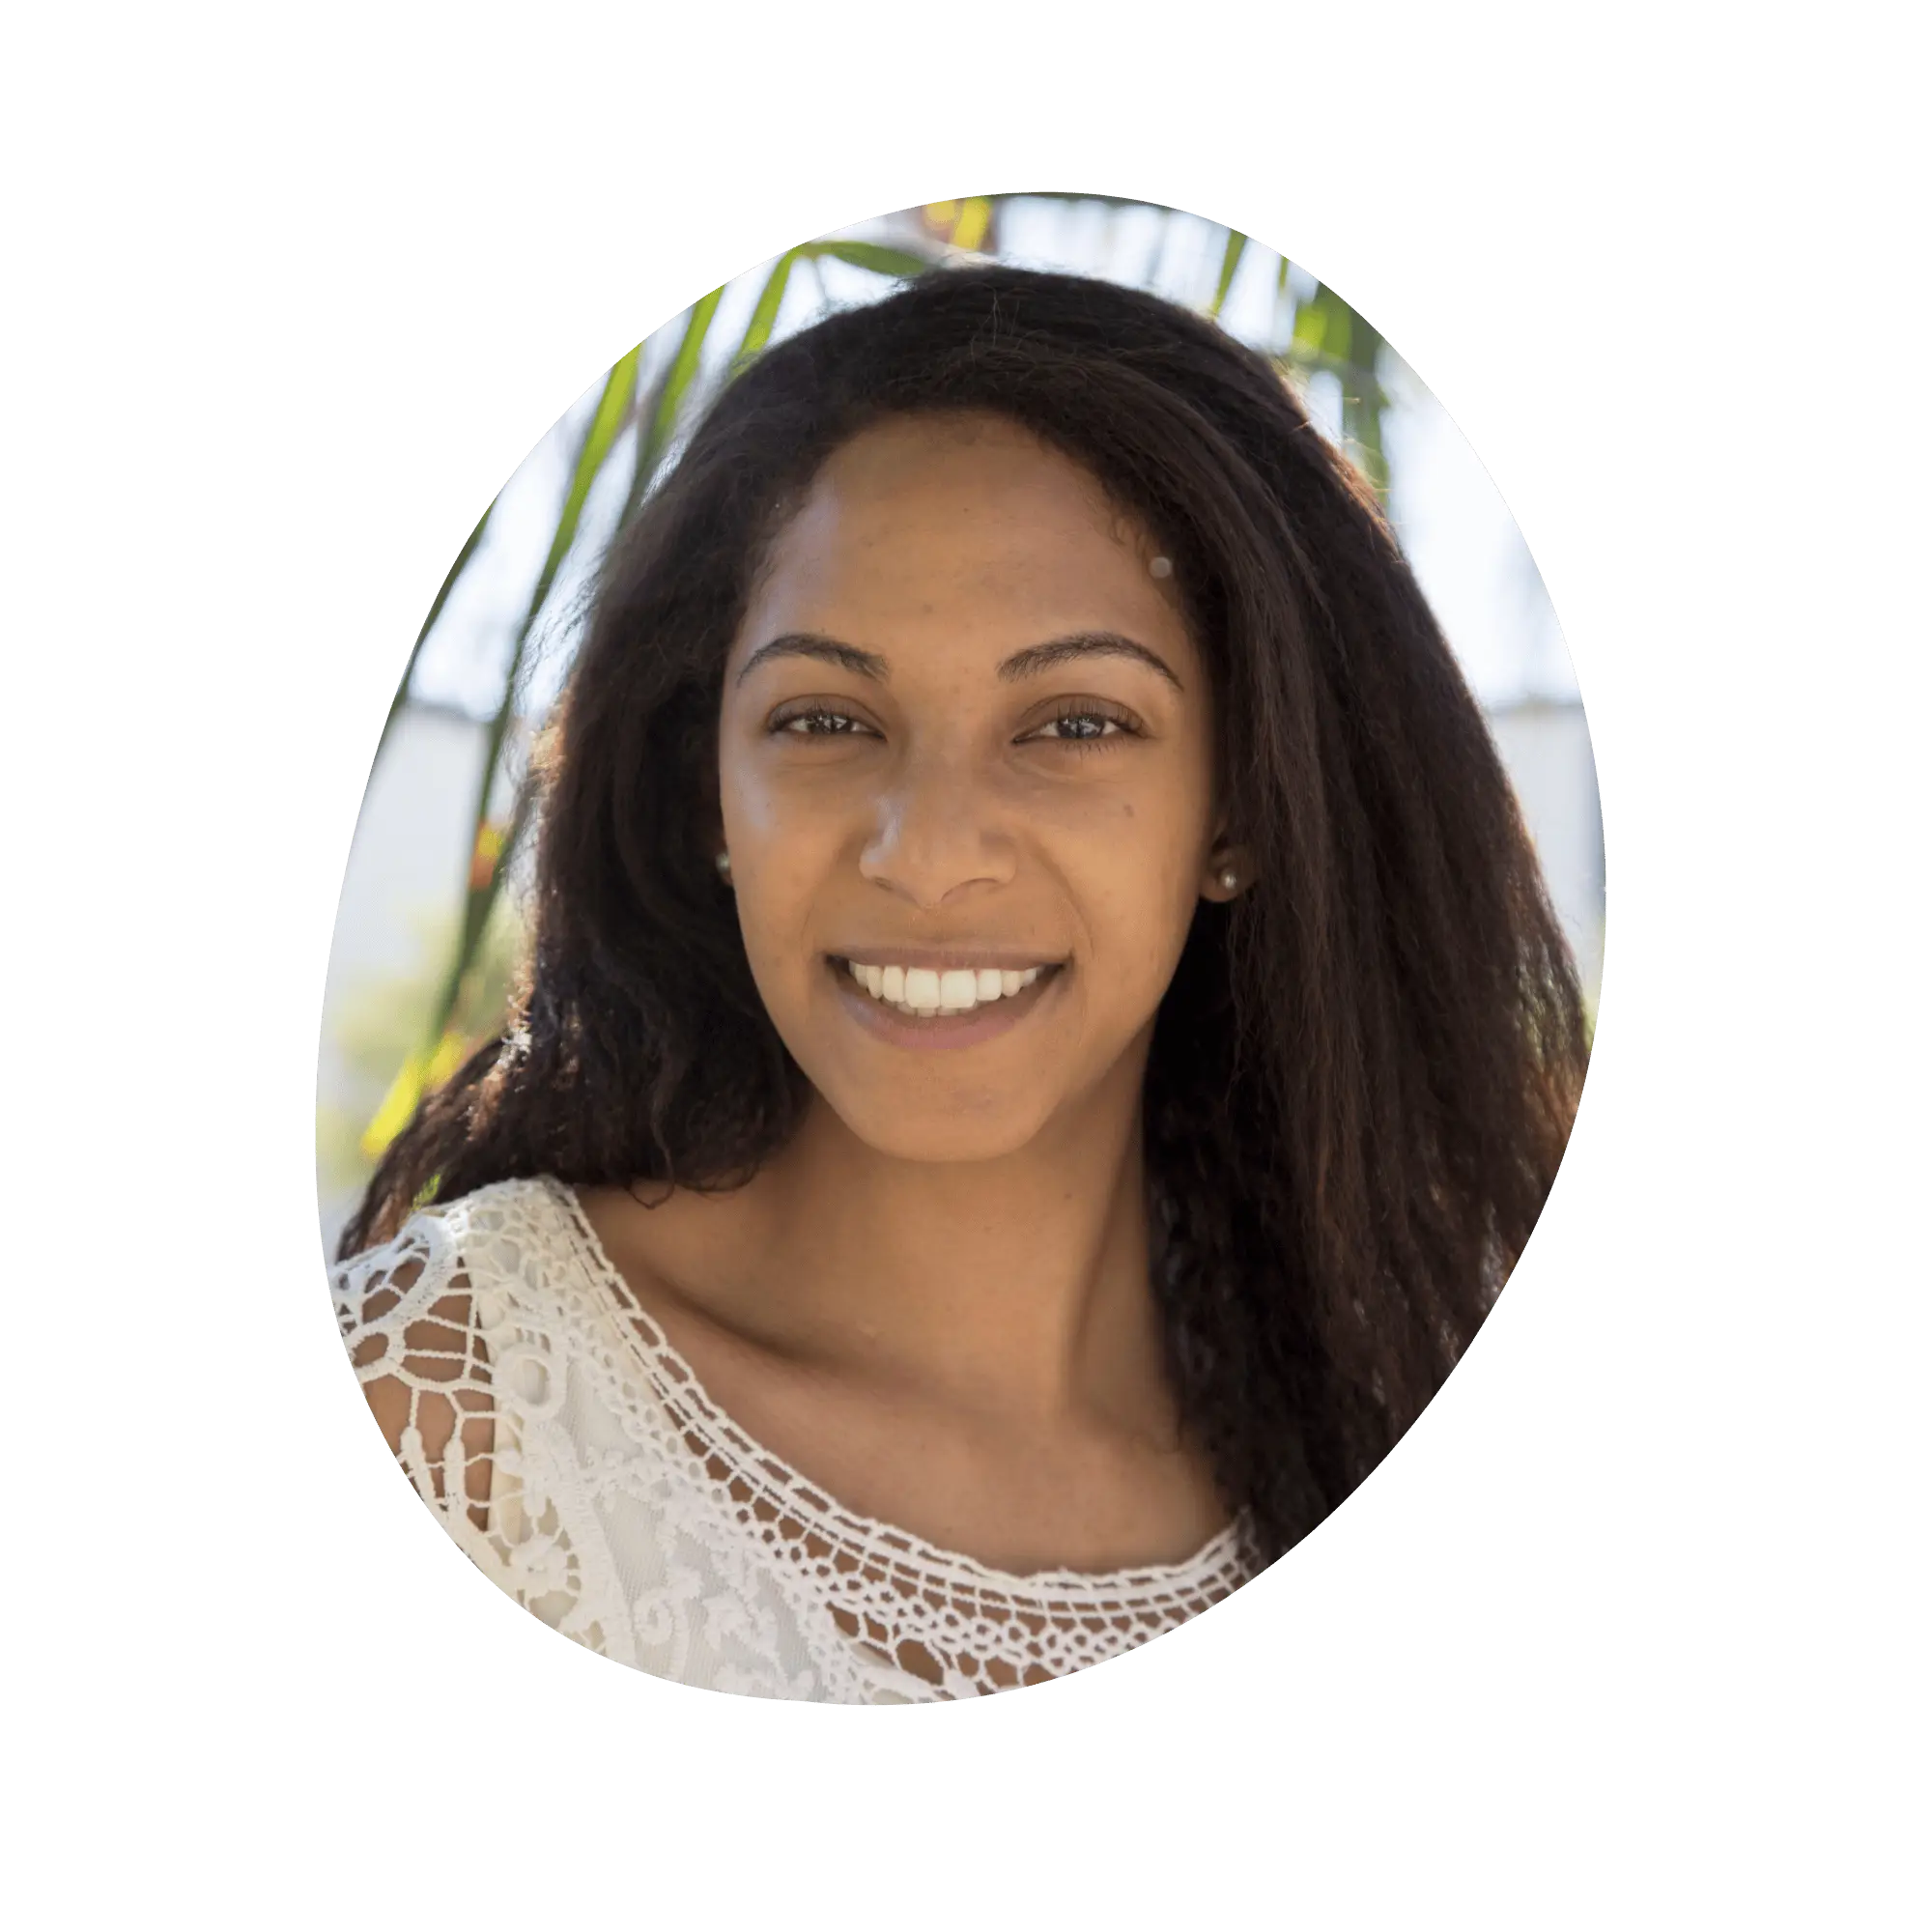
{"type": "Point", "coordinates": [810, 715]}
{"type": "Point", "coordinates": [822, 722]}
{"type": "Point", "coordinates": [1092, 714]}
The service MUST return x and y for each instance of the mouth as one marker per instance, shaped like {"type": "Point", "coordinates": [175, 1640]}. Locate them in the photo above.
{"type": "Point", "coordinates": [944, 1029]}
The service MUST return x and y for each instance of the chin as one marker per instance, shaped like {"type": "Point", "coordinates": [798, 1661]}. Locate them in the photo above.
{"type": "Point", "coordinates": [938, 1134]}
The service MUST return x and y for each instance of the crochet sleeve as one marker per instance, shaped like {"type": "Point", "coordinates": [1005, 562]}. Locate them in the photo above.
{"type": "Point", "coordinates": [407, 1321]}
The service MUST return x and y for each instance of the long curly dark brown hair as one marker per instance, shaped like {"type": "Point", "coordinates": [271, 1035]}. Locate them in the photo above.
{"type": "Point", "coordinates": [1364, 1072]}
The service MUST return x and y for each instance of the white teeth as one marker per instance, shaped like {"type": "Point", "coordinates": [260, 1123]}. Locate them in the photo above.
{"type": "Point", "coordinates": [958, 989]}
{"type": "Point", "coordinates": [925, 991]}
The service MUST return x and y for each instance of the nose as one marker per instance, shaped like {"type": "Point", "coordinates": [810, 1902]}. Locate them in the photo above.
{"type": "Point", "coordinates": [936, 836]}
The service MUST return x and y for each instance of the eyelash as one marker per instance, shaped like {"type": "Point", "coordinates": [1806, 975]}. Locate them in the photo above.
{"type": "Point", "coordinates": [822, 720]}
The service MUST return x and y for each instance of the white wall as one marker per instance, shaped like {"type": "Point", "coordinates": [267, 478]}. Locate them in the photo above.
{"type": "Point", "coordinates": [406, 864]}
{"type": "Point", "coordinates": [1546, 745]}
{"type": "Point", "coordinates": [412, 848]}
{"type": "Point", "coordinates": [411, 843]}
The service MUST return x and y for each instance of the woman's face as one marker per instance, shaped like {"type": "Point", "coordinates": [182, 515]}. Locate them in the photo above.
{"type": "Point", "coordinates": [967, 745]}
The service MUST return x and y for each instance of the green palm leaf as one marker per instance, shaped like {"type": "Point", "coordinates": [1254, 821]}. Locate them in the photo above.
{"type": "Point", "coordinates": [872, 255]}
{"type": "Point", "coordinates": [1230, 260]}
{"type": "Point", "coordinates": [455, 571]}
{"type": "Point", "coordinates": [489, 852]}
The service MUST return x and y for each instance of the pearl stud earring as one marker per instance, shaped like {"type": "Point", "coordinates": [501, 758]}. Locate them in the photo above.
{"type": "Point", "coordinates": [1230, 879]}
{"type": "Point", "coordinates": [725, 866]}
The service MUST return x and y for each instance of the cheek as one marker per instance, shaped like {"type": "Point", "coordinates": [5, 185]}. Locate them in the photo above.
{"type": "Point", "coordinates": [745, 801]}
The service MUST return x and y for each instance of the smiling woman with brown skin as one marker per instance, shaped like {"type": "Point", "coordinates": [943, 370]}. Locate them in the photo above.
{"type": "Point", "coordinates": [1042, 1037]}
{"type": "Point", "coordinates": [963, 728]}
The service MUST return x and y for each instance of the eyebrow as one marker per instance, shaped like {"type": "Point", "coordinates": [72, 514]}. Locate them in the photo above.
{"type": "Point", "coordinates": [1022, 664]}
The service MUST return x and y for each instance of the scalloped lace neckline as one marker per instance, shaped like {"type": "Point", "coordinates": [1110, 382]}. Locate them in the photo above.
{"type": "Point", "coordinates": [677, 1385]}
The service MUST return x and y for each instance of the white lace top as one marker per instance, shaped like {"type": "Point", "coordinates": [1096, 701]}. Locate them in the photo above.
{"type": "Point", "coordinates": [594, 1481]}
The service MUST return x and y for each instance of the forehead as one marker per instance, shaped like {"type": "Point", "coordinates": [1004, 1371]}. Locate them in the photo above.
{"type": "Point", "coordinates": [965, 525]}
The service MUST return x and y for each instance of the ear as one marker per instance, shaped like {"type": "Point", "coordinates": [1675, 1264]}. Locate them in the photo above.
{"type": "Point", "coordinates": [1229, 872]}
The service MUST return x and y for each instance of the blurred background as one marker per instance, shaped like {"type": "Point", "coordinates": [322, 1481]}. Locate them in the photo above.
{"type": "Point", "coordinates": [429, 924]}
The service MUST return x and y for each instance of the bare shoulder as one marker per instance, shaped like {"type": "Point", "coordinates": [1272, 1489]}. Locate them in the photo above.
{"type": "Point", "coordinates": [407, 1314]}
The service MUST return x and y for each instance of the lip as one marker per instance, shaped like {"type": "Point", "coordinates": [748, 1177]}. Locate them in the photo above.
{"type": "Point", "coordinates": [936, 958]}
{"type": "Point", "coordinates": [943, 1031]}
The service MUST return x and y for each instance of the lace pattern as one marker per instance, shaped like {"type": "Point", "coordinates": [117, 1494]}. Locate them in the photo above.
{"type": "Point", "coordinates": [577, 1459]}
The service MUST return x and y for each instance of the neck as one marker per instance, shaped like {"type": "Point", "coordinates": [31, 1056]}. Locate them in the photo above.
{"type": "Point", "coordinates": [1017, 1286]}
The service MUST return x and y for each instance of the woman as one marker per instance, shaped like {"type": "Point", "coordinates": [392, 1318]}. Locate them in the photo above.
{"type": "Point", "coordinates": [1045, 1031]}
